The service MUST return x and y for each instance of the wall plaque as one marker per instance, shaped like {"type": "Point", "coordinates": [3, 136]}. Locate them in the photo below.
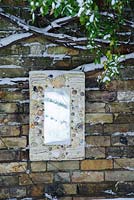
{"type": "Point", "coordinates": [57, 115]}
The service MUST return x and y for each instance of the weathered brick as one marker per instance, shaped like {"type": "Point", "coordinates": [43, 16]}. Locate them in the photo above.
{"type": "Point", "coordinates": [12, 95]}
{"type": "Point", "coordinates": [96, 118]}
{"type": "Point", "coordinates": [124, 163]}
{"type": "Point", "coordinates": [92, 152]}
{"type": "Point", "coordinates": [119, 176]}
{"type": "Point", "coordinates": [14, 119]}
{"type": "Point", "coordinates": [13, 142]}
{"type": "Point", "coordinates": [100, 96]}
{"type": "Point", "coordinates": [118, 107]}
{"type": "Point", "coordinates": [127, 73]}
{"type": "Point", "coordinates": [93, 129]}
{"type": "Point", "coordinates": [29, 179]}
{"type": "Point", "coordinates": [9, 155]}
{"type": "Point", "coordinates": [123, 118]}
{"type": "Point", "coordinates": [95, 189]}
{"type": "Point", "coordinates": [8, 108]}
{"type": "Point", "coordinates": [18, 107]}
{"type": "Point", "coordinates": [7, 130]}
{"type": "Point", "coordinates": [8, 181]}
{"type": "Point", "coordinates": [38, 166]}
{"type": "Point", "coordinates": [4, 193]}
{"type": "Point", "coordinates": [127, 96]}
{"type": "Point", "coordinates": [120, 152]}
{"type": "Point", "coordinates": [24, 155]}
{"type": "Point", "coordinates": [87, 177]}
{"type": "Point", "coordinates": [12, 71]}
{"type": "Point", "coordinates": [120, 139]}
{"type": "Point", "coordinates": [62, 50]}
{"type": "Point", "coordinates": [13, 167]}
{"type": "Point", "coordinates": [62, 177]}
{"type": "Point", "coordinates": [121, 128]}
{"type": "Point", "coordinates": [121, 85]}
{"type": "Point", "coordinates": [36, 190]}
{"type": "Point", "coordinates": [24, 129]}
{"type": "Point", "coordinates": [95, 107]}
{"type": "Point", "coordinates": [88, 198]}
{"type": "Point", "coordinates": [70, 189]}
{"type": "Point", "coordinates": [17, 192]}
{"type": "Point", "coordinates": [98, 141]}
{"type": "Point", "coordinates": [65, 165]}
{"type": "Point", "coordinates": [96, 164]}
{"type": "Point", "coordinates": [125, 188]}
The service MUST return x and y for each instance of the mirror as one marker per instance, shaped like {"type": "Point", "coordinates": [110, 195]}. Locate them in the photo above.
{"type": "Point", "coordinates": [57, 116]}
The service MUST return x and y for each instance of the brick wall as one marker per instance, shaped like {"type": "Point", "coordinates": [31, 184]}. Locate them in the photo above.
{"type": "Point", "coordinates": [108, 169]}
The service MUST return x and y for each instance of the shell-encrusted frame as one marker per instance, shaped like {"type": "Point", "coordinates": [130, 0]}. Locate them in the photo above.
{"type": "Point", "coordinates": [75, 83]}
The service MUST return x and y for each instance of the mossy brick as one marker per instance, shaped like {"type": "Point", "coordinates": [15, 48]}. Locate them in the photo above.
{"type": "Point", "coordinates": [14, 95]}
{"type": "Point", "coordinates": [63, 64]}
{"type": "Point", "coordinates": [120, 152]}
{"type": "Point", "coordinates": [14, 3]}
{"type": "Point", "coordinates": [99, 118]}
{"type": "Point", "coordinates": [9, 155]}
{"type": "Point", "coordinates": [8, 119]}
{"type": "Point", "coordinates": [61, 50]}
{"type": "Point", "coordinates": [127, 96]}
{"type": "Point", "coordinates": [36, 178]}
{"type": "Point", "coordinates": [92, 152]}
{"type": "Point", "coordinates": [15, 50]}
{"type": "Point", "coordinates": [100, 164]}
{"type": "Point", "coordinates": [120, 128]}
{"type": "Point", "coordinates": [35, 62]}
{"type": "Point", "coordinates": [124, 163]}
{"type": "Point", "coordinates": [6, 26]}
{"type": "Point", "coordinates": [70, 189]}
{"type": "Point", "coordinates": [87, 177]}
{"type": "Point", "coordinates": [119, 107]}
{"type": "Point", "coordinates": [7, 130]}
{"type": "Point", "coordinates": [11, 60]}
{"type": "Point", "coordinates": [6, 181]}
{"type": "Point", "coordinates": [62, 165]}
{"type": "Point", "coordinates": [95, 107]}
{"type": "Point", "coordinates": [17, 192]}
{"type": "Point", "coordinates": [63, 177]}
{"type": "Point", "coordinates": [13, 167]}
{"type": "Point", "coordinates": [38, 166]}
{"type": "Point", "coordinates": [13, 142]}
{"type": "Point", "coordinates": [123, 118]}
{"type": "Point", "coordinates": [119, 176]}
{"type": "Point", "coordinates": [96, 141]}
{"type": "Point", "coordinates": [101, 96]}
{"type": "Point", "coordinates": [80, 60]}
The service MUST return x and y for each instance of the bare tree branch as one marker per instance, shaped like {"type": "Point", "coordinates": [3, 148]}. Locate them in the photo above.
{"type": "Point", "coordinates": [48, 32]}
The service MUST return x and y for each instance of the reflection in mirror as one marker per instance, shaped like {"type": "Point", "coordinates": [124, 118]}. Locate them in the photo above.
{"type": "Point", "coordinates": [57, 116]}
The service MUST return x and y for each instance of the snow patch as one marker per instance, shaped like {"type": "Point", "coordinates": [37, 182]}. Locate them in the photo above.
{"type": "Point", "coordinates": [109, 192]}
{"type": "Point", "coordinates": [13, 38]}
{"type": "Point", "coordinates": [12, 81]}
{"type": "Point", "coordinates": [10, 67]}
{"type": "Point", "coordinates": [124, 134]}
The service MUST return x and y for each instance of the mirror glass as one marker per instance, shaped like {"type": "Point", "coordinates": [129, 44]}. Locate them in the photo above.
{"type": "Point", "coordinates": [57, 116]}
